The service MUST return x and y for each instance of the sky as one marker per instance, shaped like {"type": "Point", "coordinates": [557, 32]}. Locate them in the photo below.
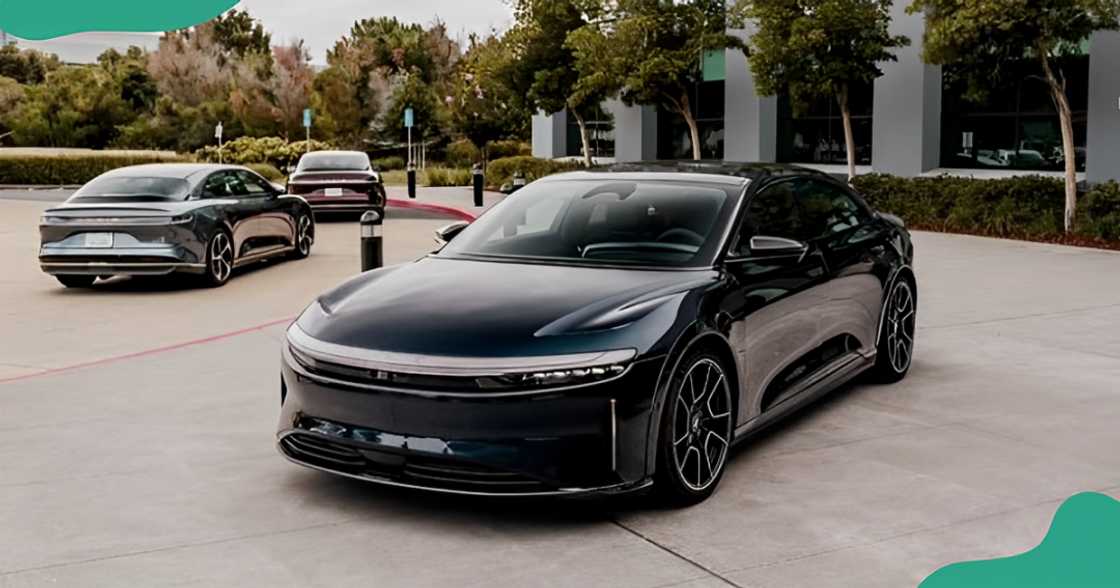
{"type": "Point", "coordinates": [322, 22]}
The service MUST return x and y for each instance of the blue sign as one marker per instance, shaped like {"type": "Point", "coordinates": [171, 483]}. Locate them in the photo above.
{"type": "Point", "coordinates": [409, 118]}
{"type": "Point", "coordinates": [307, 117]}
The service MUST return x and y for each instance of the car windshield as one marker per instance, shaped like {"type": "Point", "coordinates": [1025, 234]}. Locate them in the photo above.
{"type": "Point", "coordinates": [135, 187]}
{"type": "Point", "coordinates": [334, 162]}
{"type": "Point", "coordinates": [647, 223]}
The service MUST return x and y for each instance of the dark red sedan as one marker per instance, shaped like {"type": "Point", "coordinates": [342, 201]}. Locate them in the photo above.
{"type": "Point", "coordinates": [338, 181]}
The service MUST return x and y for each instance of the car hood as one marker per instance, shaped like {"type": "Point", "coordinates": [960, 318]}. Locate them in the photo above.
{"type": "Point", "coordinates": [455, 307]}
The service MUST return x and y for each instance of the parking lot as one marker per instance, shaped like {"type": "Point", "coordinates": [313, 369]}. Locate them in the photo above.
{"type": "Point", "coordinates": [137, 421]}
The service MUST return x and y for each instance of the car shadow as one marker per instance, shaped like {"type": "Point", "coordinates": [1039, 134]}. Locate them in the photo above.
{"type": "Point", "coordinates": [160, 284]}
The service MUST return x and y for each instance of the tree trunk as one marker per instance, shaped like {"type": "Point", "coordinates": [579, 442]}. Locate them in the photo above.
{"type": "Point", "coordinates": [1057, 84]}
{"type": "Point", "coordinates": [849, 139]}
{"type": "Point", "coordinates": [684, 108]}
{"type": "Point", "coordinates": [584, 137]}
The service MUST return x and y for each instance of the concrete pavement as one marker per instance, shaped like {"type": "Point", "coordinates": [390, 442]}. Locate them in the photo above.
{"type": "Point", "coordinates": [159, 469]}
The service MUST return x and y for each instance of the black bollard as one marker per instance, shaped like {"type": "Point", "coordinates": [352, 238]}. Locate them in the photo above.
{"type": "Point", "coordinates": [479, 182]}
{"type": "Point", "coordinates": [373, 252]}
{"type": "Point", "coordinates": [412, 180]}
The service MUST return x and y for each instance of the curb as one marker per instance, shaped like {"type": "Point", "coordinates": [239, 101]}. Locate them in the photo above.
{"type": "Point", "coordinates": [436, 208]}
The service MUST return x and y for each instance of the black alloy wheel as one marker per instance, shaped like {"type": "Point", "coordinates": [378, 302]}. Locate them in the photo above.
{"type": "Point", "coordinates": [896, 342]}
{"type": "Point", "coordinates": [305, 237]}
{"type": "Point", "coordinates": [696, 430]}
{"type": "Point", "coordinates": [219, 259]}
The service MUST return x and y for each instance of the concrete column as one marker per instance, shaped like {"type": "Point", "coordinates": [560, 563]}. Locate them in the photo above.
{"type": "Point", "coordinates": [750, 124]}
{"type": "Point", "coordinates": [1103, 141]}
{"type": "Point", "coordinates": [906, 125]}
{"type": "Point", "coordinates": [635, 131]}
{"type": "Point", "coordinates": [550, 135]}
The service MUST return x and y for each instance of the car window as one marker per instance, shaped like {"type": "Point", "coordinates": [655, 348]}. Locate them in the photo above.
{"type": "Point", "coordinates": [253, 185]}
{"type": "Point", "coordinates": [773, 212]}
{"type": "Point", "coordinates": [218, 186]}
{"type": "Point", "coordinates": [828, 209]}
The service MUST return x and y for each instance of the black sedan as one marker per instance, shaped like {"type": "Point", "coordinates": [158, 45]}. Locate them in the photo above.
{"type": "Point", "coordinates": [602, 332]}
{"type": "Point", "coordinates": [338, 181]}
{"type": "Point", "coordinates": [165, 218]}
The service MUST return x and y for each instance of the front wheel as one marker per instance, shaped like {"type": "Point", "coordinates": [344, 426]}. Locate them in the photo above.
{"type": "Point", "coordinates": [696, 429]}
{"type": "Point", "coordinates": [77, 281]}
{"type": "Point", "coordinates": [895, 350]}
{"type": "Point", "coordinates": [219, 260]}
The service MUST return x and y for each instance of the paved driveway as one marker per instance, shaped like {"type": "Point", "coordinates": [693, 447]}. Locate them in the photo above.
{"type": "Point", "coordinates": [158, 469]}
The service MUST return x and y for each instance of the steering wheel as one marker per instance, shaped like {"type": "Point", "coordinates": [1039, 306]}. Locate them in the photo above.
{"type": "Point", "coordinates": [682, 235]}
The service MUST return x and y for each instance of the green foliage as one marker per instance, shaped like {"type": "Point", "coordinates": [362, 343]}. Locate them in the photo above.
{"type": "Point", "coordinates": [67, 169]}
{"type": "Point", "coordinates": [441, 176]}
{"type": "Point", "coordinates": [483, 107]}
{"type": "Point", "coordinates": [650, 51]}
{"type": "Point", "coordinates": [271, 150]}
{"type": "Point", "coordinates": [501, 171]}
{"type": "Point", "coordinates": [240, 34]}
{"type": "Point", "coordinates": [391, 163]}
{"type": "Point", "coordinates": [76, 106]}
{"type": "Point", "coordinates": [509, 148]}
{"type": "Point", "coordinates": [410, 91]}
{"type": "Point", "coordinates": [267, 170]}
{"type": "Point", "coordinates": [27, 66]}
{"type": "Point", "coordinates": [817, 48]}
{"type": "Point", "coordinates": [462, 153]}
{"type": "Point", "coordinates": [1029, 207]}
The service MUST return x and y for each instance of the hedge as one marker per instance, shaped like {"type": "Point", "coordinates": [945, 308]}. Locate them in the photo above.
{"type": "Point", "coordinates": [271, 150]}
{"type": "Point", "coordinates": [442, 176]}
{"type": "Point", "coordinates": [267, 170]}
{"type": "Point", "coordinates": [393, 162]}
{"type": "Point", "coordinates": [71, 168]}
{"type": "Point", "coordinates": [462, 153]}
{"type": "Point", "coordinates": [1025, 207]}
{"type": "Point", "coordinates": [500, 171]}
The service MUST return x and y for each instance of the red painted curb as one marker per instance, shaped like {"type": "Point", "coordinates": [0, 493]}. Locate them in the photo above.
{"type": "Point", "coordinates": [147, 352]}
{"type": "Point", "coordinates": [436, 208]}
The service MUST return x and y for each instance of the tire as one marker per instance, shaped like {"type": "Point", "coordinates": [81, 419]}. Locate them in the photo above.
{"type": "Point", "coordinates": [74, 281]}
{"type": "Point", "coordinates": [305, 236]}
{"type": "Point", "coordinates": [219, 260]}
{"type": "Point", "coordinates": [697, 425]}
{"type": "Point", "coordinates": [895, 348]}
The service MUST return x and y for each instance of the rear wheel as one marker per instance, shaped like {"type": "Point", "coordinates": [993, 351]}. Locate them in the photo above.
{"type": "Point", "coordinates": [696, 429]}
{"type": "Point", "coordinates": [219, 260]}
{"type": "Point", "coordinates": [305, 237]}
{"type": "Point", "coordinates": [895, 351]}
{"type": "Point", "coordinates": [77, 281]}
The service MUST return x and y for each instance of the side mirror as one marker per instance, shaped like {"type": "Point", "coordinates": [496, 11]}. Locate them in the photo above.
{"type": "Point", "coordinates": [763, 245]}
{"type": "Point", "coordinates": [279, 188]}
{"type": "Point", "coordinates": [446, 234]}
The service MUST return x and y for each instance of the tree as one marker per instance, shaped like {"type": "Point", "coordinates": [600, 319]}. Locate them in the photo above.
{"type": "Point", "coordinates": [28, 66]}
{"type": "Point", "coordinates": [291, 86]}
{"type": "Point", "coordinates": [76, 106]}
{"type": "Point", "coordinates": [483, 107]}
{"type": "Point", "coordinates": [650, 50]}
{"type": "Point", "coordinates": [983, 38]}
{"type": "Point", "coordinates": [820, 48]}
{"type": "Point", "coordinates": [544, 69]}
{"type": "Point", "coordinates": [239, 34]}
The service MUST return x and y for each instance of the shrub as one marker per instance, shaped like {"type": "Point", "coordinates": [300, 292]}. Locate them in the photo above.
{"type": "Point", "coordinates": [1028, 207]}
{"type": "Point", "coordinates": [441, 176]}
{"type": "Point", "coordinates": [391, 163]}
{"type": "Point", "coordinates": [496, 150]}
{"type": "Point", "coordinates": [462, 153]}
{"type": "Point", "coordinates": [500, 171]}
{"type": "Point", "coordinates": [271, 150]}
{"type": "Point", "coordinates": [75, 167]}
{"type": "Point", "coordinates": [267, 170]}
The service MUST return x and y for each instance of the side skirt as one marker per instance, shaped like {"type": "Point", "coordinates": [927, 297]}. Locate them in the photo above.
{"type": "Point", "coordinates": [263, 255]}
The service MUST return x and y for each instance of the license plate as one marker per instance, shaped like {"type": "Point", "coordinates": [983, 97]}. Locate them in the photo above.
{"type": "Point", "coordinates": [333, 191]}
{"type": "Point", "coordinates": [99, 240]}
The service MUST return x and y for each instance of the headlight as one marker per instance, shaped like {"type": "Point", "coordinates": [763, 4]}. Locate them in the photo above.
{"type": "Point", "coordinates": [560, 378]}
{"type": "Point", "coordinates": [47, 219]}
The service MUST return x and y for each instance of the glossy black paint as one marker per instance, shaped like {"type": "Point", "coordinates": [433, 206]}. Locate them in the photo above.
{"type": "Point", "coordinates": [162, 236]}
{"type": "Point", "coordinates": [340, 190]}
{"type": "Point", "coordinates": [793, 325]}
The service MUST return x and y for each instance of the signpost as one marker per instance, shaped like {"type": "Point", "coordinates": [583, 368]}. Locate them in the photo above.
{"type": "Point", "coordinates": [307, 125]}
{"type": "Point", "coordinates": [218, 135]}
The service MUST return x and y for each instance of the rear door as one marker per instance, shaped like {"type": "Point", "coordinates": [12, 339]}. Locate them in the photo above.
{"type": "Point", "coordinates": [272, 224]}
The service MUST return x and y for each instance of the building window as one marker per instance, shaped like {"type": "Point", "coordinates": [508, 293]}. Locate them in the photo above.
{"type": "Point", "coordinates": [673, 137]}
{"type": "Point", "coordinates": [600, 130]}
{"type": "Point", "coordinates": [815, 133]}
{"type": "Point", "coordinates": [1016, 126]}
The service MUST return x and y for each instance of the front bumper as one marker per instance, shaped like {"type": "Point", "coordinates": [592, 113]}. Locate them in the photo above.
{"type": "Point", "coordinates": [553, 443]}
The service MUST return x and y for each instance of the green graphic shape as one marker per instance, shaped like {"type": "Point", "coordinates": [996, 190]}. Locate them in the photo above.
{"type": "Point", "coordinates": [39, 20]}
{"type": "Point", "coordinates": [1082, 550]}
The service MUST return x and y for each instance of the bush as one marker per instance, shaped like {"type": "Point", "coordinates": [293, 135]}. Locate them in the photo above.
{"type": "Point", "coordinates": [267, 170]}
{"type": "Point", "coordinates": [391, 163]}
{"type": "Point", "coordinates": [500, 171]}
{"type": "Point", "coordinates": [271, 150]}
{"type": "Point", "coordinates": [75, 167]}
{"type": "Point", "coordinates": [496, 150]}
{"type": "Point", "coordinates": [441, 176]}
{"type": "Point", "coordinates": [1026, 207]}
{"type": "Point", "coordinates": [462, 153]}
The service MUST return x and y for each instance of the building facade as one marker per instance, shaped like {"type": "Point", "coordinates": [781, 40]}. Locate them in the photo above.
{"type": "Point", "coordinates": [914, 120]}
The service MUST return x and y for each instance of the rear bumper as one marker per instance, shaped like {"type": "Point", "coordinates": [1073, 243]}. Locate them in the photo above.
{"type": "Point", "coordinates": [570, 442]}
{"type": "Point", "coordinates": [142, 261]}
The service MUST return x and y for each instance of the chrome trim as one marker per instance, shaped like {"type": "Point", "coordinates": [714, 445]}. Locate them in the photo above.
{"type": "Point", "coordinates": [623, 487]}
{"type": "Point", "coordinates": [92, 264]}
{"type": "Point", "coordinates": [614, 435]}
{"type": "Point", "coordinates": [446, 365]}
